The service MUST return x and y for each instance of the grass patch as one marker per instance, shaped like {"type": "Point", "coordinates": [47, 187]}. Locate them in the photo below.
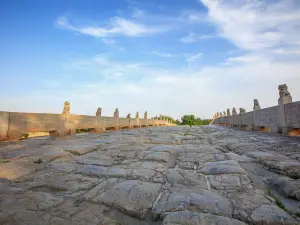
{"type": "Point", "coordinates": [279, 204]}
{"type": "Point", "coordinates": [293, 176]}
{"type": "Point", "coordinates": [187, 133]}
{"type": "Point", "coordinates": [4, 161]}
{"type": "Point", "coordinates": [277, 200]}
{"type": "Point", "coordinates": [78, 131]}
{"type": "Point", "coordinates": [24, 136]}
{"type": "Point", "coordinates": [38, 161]}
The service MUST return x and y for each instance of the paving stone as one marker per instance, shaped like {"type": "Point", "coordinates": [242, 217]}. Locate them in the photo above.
{"type": "Point", "coordinates": [193, 218]}
{"type": "Point", "coordinates": [167, 148]}
{"type": "Point", "coordinates": [132, 197]}
{"type": "Point", "coordinates": [199, 201]}
{"type": "Point", "coordinates": [287, 186]}
{"type": "Point", "coordinates": [90, 170]}
{"type": "Point", "coordinates": [187, 178]}
{"type": "Point", "coordinates": [82, 150]}
{"type": "Point", "coordinates": [144, 174]}
{"type": "Point", "coordinates": [271, 214]}
{"type": "Point", "coordinates": [222, 167]}
{"type": "Point", "coordinates": [230, 182]}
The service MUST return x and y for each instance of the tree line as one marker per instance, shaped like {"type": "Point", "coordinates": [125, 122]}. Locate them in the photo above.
{"type": "Point", "coordinates": [189, 120]}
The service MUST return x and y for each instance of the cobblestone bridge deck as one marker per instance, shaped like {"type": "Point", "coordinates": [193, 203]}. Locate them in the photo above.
{"type": "Point", "coordinates": [159, 175]}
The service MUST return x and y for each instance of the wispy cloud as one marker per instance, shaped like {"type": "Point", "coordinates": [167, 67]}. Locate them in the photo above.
{"type": "Point", "coordinates": [115, 26]}
{"type": "Point", "coordinates": [191, 38]}
{"type": "Point", "coordinates": [254, 25]}
{"type": "Point", "coordinates": [190, 59]}
{"type": "Point", "coordinates": [163, 54]}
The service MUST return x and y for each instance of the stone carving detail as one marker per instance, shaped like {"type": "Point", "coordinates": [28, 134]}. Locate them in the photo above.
{"type": "Point", "coordinates": [228, 112]}
{"type": "Point", "coordinates": [66, 110]}
{"type": "Point", "coordinates": [234, 111]}
{"type": "Point", "coordinates": [137, 116]}
{"type": "Point", "coordinates": [128, 116]}
{"type": "Point", "coordinates": [256, 105]}
{"type": "Point", "coordinates": [283, 92]}
{"type": "Point", "coordinates": [116, 113]}
{"type": "Point", "coordinates": [145, 115]}
{"type": "Point", "coordinates": [99, 111]}
{"type": "Point", "coordinates": [242, 110]}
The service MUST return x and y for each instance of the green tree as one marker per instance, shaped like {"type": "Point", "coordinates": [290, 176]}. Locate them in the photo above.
{"type": "Point", "coordinates": [191, 120]}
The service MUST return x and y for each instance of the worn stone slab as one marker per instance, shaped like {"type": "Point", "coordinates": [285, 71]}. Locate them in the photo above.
{"type": "Point", "coordinates": [193, 218]}
{"type": "Point", "coordinates": [82, 150]}
{"type": "Point", "coordinates": [230, 182]}
{"type": "Point", "coordinates": [187, 178]}
{"type": "Point", "coordinates": [197, 200]}
{"type": "Point", "coordinates": [90, 170]}
{"type": "Point", "coordinates": [167, 148]}
{"type": "Point", "coordinates": [222, 167]}
{"type": "Point", "coordinates": [15, 169]}
{"type": "Point", "coordinates": [287, 186]}
{"type": "Point", "coordinates": [132, 197]}
{"type": "Point", "coordinates": [271, 214]}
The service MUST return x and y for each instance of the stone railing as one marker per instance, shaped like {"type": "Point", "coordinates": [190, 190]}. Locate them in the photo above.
{"type": "Point", "coordinates": [14, 124]}
{"type": "Point", "coordinates": [283, 118]}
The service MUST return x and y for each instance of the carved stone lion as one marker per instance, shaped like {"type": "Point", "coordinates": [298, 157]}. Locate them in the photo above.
{"type": "Point", "coordinates": [99, 111]}
{"type": "Point", "coordinates": [116, 113]}
{"type": "Point", "coordinates": [234, 111]}
{"type": "Point", "coordinates": [283, 92]}
{"type": "Point", "coordinates": [66, 110]}
{"type": "Point", "coordinates": [228, 112]}
{"type": "Point", "coordinates": [242, 110]}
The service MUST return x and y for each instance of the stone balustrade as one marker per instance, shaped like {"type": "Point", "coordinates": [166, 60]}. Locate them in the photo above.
{"type": "Point", "coordinates": [14, 124]}
{"type": "Point", "coordinates": [283, 118]}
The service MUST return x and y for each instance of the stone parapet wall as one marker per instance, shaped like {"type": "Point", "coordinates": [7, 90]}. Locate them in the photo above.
{"type": "Point", "coordinates": [292, 114]}
{"type": "Point", "coordinates": [14, 124]}
{"type": "Point", "coordinates": [281, 118]}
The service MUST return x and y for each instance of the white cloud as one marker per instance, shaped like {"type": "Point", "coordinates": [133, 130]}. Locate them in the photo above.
{"type": "Point", "coordinates": [189, 38]}
{"type": "Point", "coordinates": [108, 41]}
{"type": "Point", "coordinates": [257, 24]}
{"type": "Point", "coordinates": [116, 26]}
{"type": "Point", "coordinates": [194, 38]}
{"type": "Point", "coordinates": [190, 59]}
{"type": "Point", "coordinates": [248, 59]}
{"type": "Point", "coordinates": [163, 54]}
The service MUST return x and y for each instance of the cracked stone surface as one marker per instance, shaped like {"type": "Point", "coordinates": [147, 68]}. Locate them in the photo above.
{"type": "Point", "coordinates": [152, 176]}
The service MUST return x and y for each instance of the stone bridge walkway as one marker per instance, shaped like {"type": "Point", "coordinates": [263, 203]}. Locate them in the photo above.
{"type": "Point", "coordinates": [159, 175]}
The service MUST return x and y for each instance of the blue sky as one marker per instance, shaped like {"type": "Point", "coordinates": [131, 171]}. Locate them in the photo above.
{"type": "Point", "coordinates": [167, 57]}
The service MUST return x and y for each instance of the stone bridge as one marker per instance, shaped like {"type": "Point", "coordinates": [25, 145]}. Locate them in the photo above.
{"type": "Point", "coordinates": [14, 124]}
{"type": "Point", "coordinates": [283, 118]}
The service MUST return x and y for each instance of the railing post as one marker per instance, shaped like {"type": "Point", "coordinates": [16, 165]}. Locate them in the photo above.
{"type": "Point", "coordinates": [116, 118]}
{"type": "Point", "coordinates": [242, 111]}
{"type": "Point", "coordinates": [4, 123]}
{"type": "Point", "coordinates": [66, 117]}
{"type": "Point", "coordinates": [256, 107]}
{"type": "Point", "coordinates": [137, 117]}
{"type": "Point", "coordinates": [284, 98]}
{"type": "Point", "coordinates": [129, 120]}
{"type": "Point", "coordinates": [146, 118]}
